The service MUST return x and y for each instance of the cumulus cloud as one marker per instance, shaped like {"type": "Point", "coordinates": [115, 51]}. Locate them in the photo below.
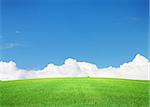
{"type": "Point", "coordinates": [136, 69]}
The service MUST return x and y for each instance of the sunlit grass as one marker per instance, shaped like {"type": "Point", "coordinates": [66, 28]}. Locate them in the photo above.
{"type": "Point", "coordinates": [74, 92]}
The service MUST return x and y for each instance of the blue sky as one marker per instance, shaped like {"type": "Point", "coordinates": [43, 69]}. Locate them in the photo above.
{"type": "Point", "coordinates": [103, 32]}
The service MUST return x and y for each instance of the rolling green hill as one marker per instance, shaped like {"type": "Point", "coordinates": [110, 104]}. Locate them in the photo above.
{"type": "Point", "coordinates": [74, 92]}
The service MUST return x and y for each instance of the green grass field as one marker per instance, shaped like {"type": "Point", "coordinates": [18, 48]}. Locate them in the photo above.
{"type": "Point", "coordinates": [74, 92]}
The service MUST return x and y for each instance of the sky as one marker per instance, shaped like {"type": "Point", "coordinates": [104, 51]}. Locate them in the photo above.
{"type": "Point", "coordinates": [103, 32]}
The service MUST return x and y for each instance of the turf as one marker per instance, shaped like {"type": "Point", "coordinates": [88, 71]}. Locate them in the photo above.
{"type": "Point", "coordinates": [74, 92]}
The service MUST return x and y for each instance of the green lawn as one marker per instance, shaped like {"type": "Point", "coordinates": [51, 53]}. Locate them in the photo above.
{"type": "Point", "coordinates": [74, 92]}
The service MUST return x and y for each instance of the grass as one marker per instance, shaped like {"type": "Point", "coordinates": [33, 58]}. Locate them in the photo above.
{"type": "Point", "coordinates": [74, 92]}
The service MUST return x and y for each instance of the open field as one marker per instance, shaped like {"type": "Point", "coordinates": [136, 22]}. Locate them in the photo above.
{"type": "Point", "coordinates": [74, 92]}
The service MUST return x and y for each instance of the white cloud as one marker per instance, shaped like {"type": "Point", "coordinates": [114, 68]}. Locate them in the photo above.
{"type": "Point", "coordinates": [136, 69]}
{"type": "Point", "coordinates": [9, 46]}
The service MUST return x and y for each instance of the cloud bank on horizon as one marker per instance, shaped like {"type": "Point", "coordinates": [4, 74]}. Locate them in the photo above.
{"type": "Point", "coordinates": [137, 69]}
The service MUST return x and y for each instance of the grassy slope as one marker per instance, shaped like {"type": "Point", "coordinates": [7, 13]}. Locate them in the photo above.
{"type": "Point", "coordinates": [74, 92]}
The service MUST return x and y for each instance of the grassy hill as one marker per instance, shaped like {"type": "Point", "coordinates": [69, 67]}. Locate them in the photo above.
{"type": "Point", "coordinates": [74, 92]}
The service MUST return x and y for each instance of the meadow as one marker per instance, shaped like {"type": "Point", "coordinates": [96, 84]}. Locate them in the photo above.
{"type": "Point", "coordinates": [74, 92]}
